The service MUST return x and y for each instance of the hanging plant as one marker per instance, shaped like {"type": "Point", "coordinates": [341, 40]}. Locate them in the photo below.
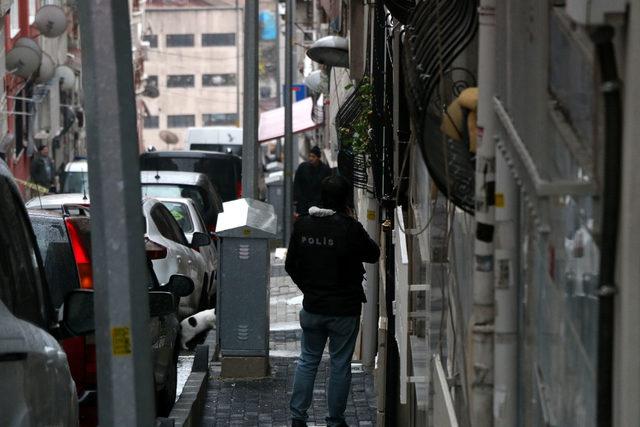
{"type": "Point", "coordinates": [357, 134]}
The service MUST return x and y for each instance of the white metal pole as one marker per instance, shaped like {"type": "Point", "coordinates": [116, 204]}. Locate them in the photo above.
{"type": "Point", "coordinates": [370, 308]}
{"type": "Point", "coordinates": [506, 298]}
{"type": "Point", "coordinates": [481, 396]}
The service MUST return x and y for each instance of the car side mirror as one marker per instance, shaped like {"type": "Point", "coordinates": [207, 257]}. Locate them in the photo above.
{"type": "Point", "coordinates": [179, 285]}
{"type": "Point", "coordinates": [78, 312]}
{"type": "Point", "coordinates": [200, 239]}
{"type": "Point", "coordinates": [161, 304]}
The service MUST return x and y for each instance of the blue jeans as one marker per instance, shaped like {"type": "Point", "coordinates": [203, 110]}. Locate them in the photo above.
{"type": "Point", "coordinates": [342, 333]}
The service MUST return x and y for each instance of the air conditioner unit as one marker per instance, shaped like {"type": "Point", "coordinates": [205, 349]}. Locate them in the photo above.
{"type": "Point", "coordinates": [594, 12]}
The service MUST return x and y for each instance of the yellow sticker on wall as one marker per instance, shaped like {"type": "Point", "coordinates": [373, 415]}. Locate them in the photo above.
{"type": "Point", "coordinates": [121, 341]}
{"type": "Point", "coordinates": [371, 215]}
{"type": "Point", "coordinates": [499, 200]}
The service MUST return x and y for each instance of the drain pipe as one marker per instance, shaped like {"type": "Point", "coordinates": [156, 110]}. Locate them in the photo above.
{"type": "Point", "coordinates": [602, 38]}
{"type": "Point", "coordinates": [505, 391]}
{"type": "Point", "coordinates": [481, 374]}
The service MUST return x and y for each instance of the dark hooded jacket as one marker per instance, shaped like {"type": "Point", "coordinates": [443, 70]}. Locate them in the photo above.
{"type": "Point", "coordinates": [324, 259]}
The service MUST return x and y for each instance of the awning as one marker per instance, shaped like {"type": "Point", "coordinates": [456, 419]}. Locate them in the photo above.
{"type": "Point", "coordinates": [272, 121]}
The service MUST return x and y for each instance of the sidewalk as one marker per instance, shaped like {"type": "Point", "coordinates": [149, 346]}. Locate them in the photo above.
{"type": "Point", "coordinates": [265, 402]}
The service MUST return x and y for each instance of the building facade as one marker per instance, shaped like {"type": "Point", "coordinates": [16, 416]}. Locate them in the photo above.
{"type": "Point", "coordinates": [194, 61]}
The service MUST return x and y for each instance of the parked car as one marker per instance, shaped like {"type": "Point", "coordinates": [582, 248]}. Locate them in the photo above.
{"type": "Point", "coordinates": [55, 201]}
{"type": "Point", "coordinates": [171, 253]}
{"type": "Point", "coordinates": [64, 242]}
{"type": "Point", "coordinates": [223, 169]}
{"type": "Point", "coordinates": [36, 384]}
{"type": "Point", "coordinates": [190, 221]}
{"type": "Point", "coordinates": [75, 178]}
{"type": "Point", "coordinates": [224, 139]}
{"type": "Point", "coordinates": [195, 186]}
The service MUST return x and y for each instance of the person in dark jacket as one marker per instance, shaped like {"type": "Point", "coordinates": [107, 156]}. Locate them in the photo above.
{"type": "Point", "coordinates": [324, 259]}
{"type": "Point", "coordinates": [42, 169]}
{"type": "Point", "coordinates": [306, 183]}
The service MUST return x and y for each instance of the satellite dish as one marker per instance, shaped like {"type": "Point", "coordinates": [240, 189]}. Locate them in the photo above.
{"type": "Point", "coordinates": [67, 77]}
{"type": "Point", "coordinates": [23, 61]}
{"type": "Point", "coordinates": [51, 21]}
{"type": "Point", "coordinates": [28, 42]}
{"type": "Point", "coordinates": [331, 50]}
{"type": "Point", "coordinates": [47, 69]}
{"type": "Point", "coordinates": [317, 81]}
{"type": "Point", "coordinates": [169, 137]}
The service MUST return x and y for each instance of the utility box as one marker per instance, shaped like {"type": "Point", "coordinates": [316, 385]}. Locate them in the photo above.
{"type": "Point", "coordinates": [275, 197]}
{"type": "Point", "coordinates": [245, 228]}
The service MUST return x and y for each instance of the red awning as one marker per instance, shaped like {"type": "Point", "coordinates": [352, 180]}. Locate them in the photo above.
{"type": "Point", "coordinates": [272, 121]}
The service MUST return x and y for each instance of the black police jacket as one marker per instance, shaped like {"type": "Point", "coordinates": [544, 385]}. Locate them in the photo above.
{"type": "Point", "coordinates": [324, 259]}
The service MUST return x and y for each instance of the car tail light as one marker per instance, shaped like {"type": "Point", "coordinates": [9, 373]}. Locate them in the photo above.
{"type": "Point", "coordinates": [81, 255]}
{"type": "Point", "coordinates": [238, 189]}
{"type": "Point", "coordinates": [154, 250]}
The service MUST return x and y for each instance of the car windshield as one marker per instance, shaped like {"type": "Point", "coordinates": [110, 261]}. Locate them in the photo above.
{"type": "Point", "coordinates": [220, 171]}
{"type": "Point", "coordinates": [76, 182]}
{"type": "Point", "coordinates": [180, 212]}
{"type": "Point", "coordinates": [171, 190]}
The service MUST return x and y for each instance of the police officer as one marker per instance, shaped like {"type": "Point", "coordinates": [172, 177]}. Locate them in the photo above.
{"type": "Point", "coordinates": [306, 183]}
{"type": "Point", "coordinates": [324, 259]}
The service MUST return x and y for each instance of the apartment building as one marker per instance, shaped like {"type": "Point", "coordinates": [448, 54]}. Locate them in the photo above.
{"type": "Point", "coordinates": [195, 62]}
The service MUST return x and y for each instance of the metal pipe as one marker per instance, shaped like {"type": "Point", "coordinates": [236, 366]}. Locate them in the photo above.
{"type": "Point", "coordinates": [626, 366]}
{"type": "Point", "coordinates": [288, 123]}
{"type": "Point", "coordinates": [505, 392]}
{"type": "Point", "coordinates": [123, 348]}
{"type": "Point", "coordinates": [250, 114]}
{"type": "Point", "coordinates": [481, 393]}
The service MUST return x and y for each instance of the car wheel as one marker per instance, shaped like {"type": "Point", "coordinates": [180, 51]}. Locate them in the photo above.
{"type": "Point", "coordinates": [166, 397]}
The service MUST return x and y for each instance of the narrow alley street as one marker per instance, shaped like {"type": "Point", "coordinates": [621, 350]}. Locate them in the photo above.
{"type": "Point", "coordinates": [265, 402]}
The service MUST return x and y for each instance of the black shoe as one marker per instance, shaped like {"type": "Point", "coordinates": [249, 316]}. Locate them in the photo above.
{"type": "Point", "coordinates": [298, 423]}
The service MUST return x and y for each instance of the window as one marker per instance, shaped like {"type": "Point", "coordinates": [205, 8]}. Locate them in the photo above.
{"type": "Point", "coordinates": [220, 119]}
{"type": "Point", "coordinates": [219, 39]}
{"type": "Point", "coordinates": [218, 80]}
{"type": "Point", "coordinates": [32, 11]}
{"type": "Point", "coordinates": [180, 212]}
{"type": "Point", "coordinates": [167, 225]}
{"type": "Point", "coordinates": [152, 39]}
{"type": "Point", "coordinates": [14, 17]}
{"type": "Point", "coordinates": [21, 287]}
{"type": "Point", "coordinates": [152, 81]}
{"type": "Point", "coordinates": [181, 120]}
{"type": "Point", "coordinates": [180, 40]}
{"type": "Point", "coordinates": [57, 256]}
{"type": "Point", "coordinates": [152, 122]}
{"type": "Point", "coordinates": [181, 80]}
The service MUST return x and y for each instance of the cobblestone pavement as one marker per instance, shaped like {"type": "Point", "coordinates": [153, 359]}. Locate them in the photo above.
{"type": "Point", "coordinates": [265, 402]}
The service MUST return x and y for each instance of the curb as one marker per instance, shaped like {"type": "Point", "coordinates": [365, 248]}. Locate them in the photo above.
{"type": "Point", "coordinates": [188, 410]}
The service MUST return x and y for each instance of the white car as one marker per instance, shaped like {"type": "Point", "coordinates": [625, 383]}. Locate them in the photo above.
{"type": "Point", "coordinates": [75, 178]}
{"type": "Point", "coordinates": [171, 253]}
{"type": "Point", "coordinates": [56, 201]}
{"type": "Point", "coordinates": [186, 213]}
